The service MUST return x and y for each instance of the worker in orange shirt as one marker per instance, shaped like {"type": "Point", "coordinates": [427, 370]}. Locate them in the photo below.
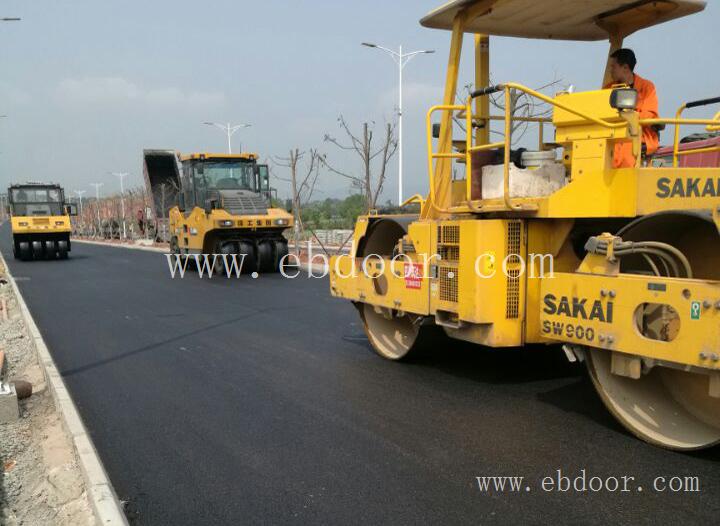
{"type": "Point", "coordinates": [622, 71]}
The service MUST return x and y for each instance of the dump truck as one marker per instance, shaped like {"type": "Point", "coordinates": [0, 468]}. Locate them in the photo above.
{"type": "Point", "coordinates": [631, 256]}
{"type": "Point", "coordinates": [218, 204]}
{"type": "Point", "coordinates": [40, 221]}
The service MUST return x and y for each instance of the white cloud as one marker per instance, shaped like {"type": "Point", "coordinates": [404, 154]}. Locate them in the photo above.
{"type": "Point", "coordinates": [114, 90]}
{"type": "Point", "coordinates": [10, 95]}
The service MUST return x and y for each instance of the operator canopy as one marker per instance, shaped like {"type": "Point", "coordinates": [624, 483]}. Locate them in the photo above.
{"type": "Point", "coordinates": [563, 20]}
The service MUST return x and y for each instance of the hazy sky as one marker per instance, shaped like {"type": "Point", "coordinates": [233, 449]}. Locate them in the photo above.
{"type": "Point", "coordinates": [88, 84]}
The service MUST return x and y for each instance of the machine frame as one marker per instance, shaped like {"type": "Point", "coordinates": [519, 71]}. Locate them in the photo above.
{"type": "Point", "coordinates": [207, 220]}
{"type": "Point", "coordinates": [632, 320]}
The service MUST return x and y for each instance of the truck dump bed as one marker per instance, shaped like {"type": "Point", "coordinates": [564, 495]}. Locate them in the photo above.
{"type": "Point", "coordinates": [162, 179]}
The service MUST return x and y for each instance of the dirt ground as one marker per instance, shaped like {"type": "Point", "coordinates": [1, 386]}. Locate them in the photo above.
{"type": "Point", "coordinates": [40, 480]}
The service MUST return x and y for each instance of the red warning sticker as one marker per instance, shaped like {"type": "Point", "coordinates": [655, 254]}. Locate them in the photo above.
{"type": "Point", "coordinates": [413, 275]}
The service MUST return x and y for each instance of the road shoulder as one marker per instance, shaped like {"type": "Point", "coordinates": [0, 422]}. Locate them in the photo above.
{"type": "Point", "coordinates": [106, 506]}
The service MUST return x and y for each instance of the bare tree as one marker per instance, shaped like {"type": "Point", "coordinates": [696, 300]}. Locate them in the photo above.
{"type": "Point", "coordinates": [368, 181]}
{"type": "Point", "coordinates": [521, 105]}
{"type": "Point", "coordinates": [302, 182]}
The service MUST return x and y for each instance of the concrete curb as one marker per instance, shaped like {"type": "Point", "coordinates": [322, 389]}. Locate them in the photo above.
{"type": "Point", "coordinates": [105, 503]}
{"type": "Point", "coordinates": [120, 245]}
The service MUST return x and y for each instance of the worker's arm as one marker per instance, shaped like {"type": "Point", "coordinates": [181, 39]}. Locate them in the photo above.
{"type": "Point", "coordinates": [648, 102]}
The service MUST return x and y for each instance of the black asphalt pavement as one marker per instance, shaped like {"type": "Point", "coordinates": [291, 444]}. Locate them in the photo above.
{"type": "Point", "coordinates": [259, 401]}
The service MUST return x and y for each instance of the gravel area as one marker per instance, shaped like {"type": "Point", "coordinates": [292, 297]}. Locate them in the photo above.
{"type": "Point", "coordinates": [40, 480]}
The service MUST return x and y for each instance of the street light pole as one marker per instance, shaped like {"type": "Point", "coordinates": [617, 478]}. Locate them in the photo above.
{"type": "Point", "coordinates": [3, 207]}
{"type": "Point", "coordinates": [3, 204]}
{"type": "Point", "coordinates": [229, 130]}
{"type": "Point", "coordinates": [97, 203]}
{"type": "Point", "coordinates": [122, 176]}
{"type": "Point", "coordinates": [401, 59]}
{"type": "Point", "coordinates": [400, 130]}
{"type": "Point", "coordinates": [80, 193]}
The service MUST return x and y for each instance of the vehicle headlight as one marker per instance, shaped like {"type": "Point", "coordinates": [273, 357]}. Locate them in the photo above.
{"type": "Point", "coordinates": [225, 222]}
{"type": "Point", "coordinates": [624, 99]}
{"type": "Point", "coordinates": [59, 223]}
{"type": "Point", "coordinates": [281, 222]}
{"type": "Point", "coordinates": [23, 223]}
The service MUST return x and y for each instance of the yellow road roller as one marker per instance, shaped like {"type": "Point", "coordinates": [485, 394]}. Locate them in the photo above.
{"type": "Point", "coordinates": [40, 221]}
{"type": "Point", "coordinates": [218, 204]}
{"type": "Point", "coordinates": [621, 266]}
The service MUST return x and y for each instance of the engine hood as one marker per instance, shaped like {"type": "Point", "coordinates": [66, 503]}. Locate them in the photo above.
{"type": "Point", "coordinates": [243, 202]}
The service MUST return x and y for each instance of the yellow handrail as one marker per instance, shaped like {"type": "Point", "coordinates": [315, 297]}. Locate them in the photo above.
{"type": "Point", "coordinates": [711, 125]}
{"type": "Point", "coordinates": [709, 149]}
{"type": "Point", "coordinates": [553, 102]}
{"type": "Point", "coordinates": [676, 140]}
{"type": "Point", "coordinates": [688, 122]}
{"type": "Point", "coordinates": [448, 155]}
{"type": "Point", "coordinates": [714, 127]}
{"type": "Point", "coordinates": [466, 112]}
{"type": "Point", "coordinates": [508, 144]}
{"type": "Point", "coordinates": [508, 118]}
{"type": "Point", "coordinates": [431, 155]}
{"type": "Point", "coordinates": [519, 119]}
{"type": "Point", "coordinates": [489, 146]}
{"type": "Point", "coordinates": [417, 198]}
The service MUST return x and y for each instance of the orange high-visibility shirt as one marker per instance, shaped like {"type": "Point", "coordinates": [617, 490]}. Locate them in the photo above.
{"type": "Point", "coordinates": [648, 109]}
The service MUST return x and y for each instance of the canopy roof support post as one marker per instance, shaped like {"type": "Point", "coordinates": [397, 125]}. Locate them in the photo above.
{"type": "Point", "coordinates": [443, 167]}
{"type": "Point", "coordinates": [482, 79]}
{"type": "Point", "coordinates": [616, 42]}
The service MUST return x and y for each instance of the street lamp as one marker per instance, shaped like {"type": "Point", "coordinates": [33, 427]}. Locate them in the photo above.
{"type": "Point", "coordinates": [97, 203]}
{"type": "Point", "coordinates": [122, 176]}
{"type": "Point", "coordinates": [229, 130]}
{"type": "Point", "coordinates": [401, 59]}
{"type": "Point", "coordinates": [80, 193]}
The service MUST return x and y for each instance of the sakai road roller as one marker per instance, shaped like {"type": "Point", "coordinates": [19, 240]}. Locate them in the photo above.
{"type": "Point", "coordinates": [634, 288]}
{"type": "Point", "coordinates": [40, 221]}
{"type": "Point", "coordinates": [218, 204]}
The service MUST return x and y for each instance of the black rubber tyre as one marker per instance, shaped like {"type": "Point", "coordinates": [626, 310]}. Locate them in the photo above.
{"type": "Point", "coordinates": [175, 250]}
{"type": "Point", "coordinates": [63, 249]}
{"type": "Point", "coordinates": [25, 253]}
{"type": "Point", "coordinates": [281, 250]}
{"type": "Point", "coordinates": [37, 249]}
{"type": "Point", "coordinates": [227, 249]}
{"type": "Point", "coordinates": [249, 263]}
{"type": "Point", "coordinates": [50, 249]}
{"type": "Point", "coordinates": [266, 256]}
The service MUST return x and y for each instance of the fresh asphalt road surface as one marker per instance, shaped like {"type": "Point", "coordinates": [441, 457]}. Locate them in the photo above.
{"type": "Point", "coordinates": [259, 401]}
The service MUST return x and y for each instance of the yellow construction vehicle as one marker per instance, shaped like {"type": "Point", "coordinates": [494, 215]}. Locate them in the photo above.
{"type": "Point", "coordinates": [218, 204]}
{"type": "Point", "coordinates": [40, 220]}
{"type": "Point", "coordinates": [631, 256]}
